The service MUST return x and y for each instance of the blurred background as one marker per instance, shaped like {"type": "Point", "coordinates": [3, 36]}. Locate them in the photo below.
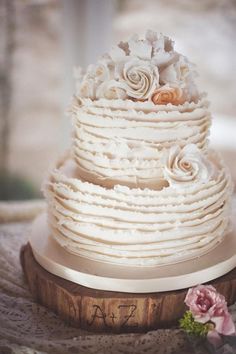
{"type": "Point", "coordinates": [42, 40]}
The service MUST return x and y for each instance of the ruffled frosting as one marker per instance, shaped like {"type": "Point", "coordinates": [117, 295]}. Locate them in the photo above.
{"type": "Point", "coordinates": [124, 142]}
{"type": "Point", "coordinates": [137, 69]}
{"type": "Point", "coordinates": [139, 227]}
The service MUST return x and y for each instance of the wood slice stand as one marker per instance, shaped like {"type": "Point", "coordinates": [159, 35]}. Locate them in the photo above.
{"type": "Point", "coordinates": [108, 311]}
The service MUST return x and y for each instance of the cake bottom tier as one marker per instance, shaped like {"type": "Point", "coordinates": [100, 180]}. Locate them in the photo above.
{"type": "Point", "coordinates": [137, 227]}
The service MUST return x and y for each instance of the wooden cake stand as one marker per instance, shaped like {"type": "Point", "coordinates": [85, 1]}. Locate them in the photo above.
{"type": "Point", "coordinates": [99, 297]}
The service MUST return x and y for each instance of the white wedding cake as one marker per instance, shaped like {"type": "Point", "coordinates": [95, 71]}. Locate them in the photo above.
{"type": "Point", "coordinates": [140, 186]}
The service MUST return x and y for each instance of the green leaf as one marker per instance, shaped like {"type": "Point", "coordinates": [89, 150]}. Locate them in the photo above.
{"type": "Point", "coordinates": [192, 327]}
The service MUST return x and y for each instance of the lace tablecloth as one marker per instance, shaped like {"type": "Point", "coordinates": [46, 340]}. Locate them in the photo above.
{"type": "Point", "coordinates": [26, 327]}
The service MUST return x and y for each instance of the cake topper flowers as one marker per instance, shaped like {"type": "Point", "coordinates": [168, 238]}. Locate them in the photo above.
{"type": "Point", "coordinates": [167, 94]}
{"type": "Point", "coordinates": [142, 70]}
{"type": "Point", "coordinates": [208, 314]}
{"type": "Point", "coordinates": [184, 166]}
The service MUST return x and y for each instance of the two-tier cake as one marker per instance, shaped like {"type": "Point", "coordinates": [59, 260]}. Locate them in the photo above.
{"type": "Point", "coordinates": [140, 187]}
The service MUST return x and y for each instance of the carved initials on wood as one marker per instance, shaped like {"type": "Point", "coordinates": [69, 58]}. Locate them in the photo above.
{"type": "Point", "coordinates": [100, 314]}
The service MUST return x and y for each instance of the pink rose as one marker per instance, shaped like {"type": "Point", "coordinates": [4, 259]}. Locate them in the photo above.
{"type": "Point", "coordinates": [206, 304]}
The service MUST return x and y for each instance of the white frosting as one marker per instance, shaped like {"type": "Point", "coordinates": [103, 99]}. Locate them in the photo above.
{"type": "Point", "coordinates": [137, 226]}
{"type": "Point", "coordinates": [117, 142]}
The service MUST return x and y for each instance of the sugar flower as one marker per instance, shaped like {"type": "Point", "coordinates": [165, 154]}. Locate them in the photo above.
{"type": "Point", "coordinates": [206, 304]}
{"type": "Point", "coordinates": [166, 94]}
{"type": "Point", "coordinates": [184, 166]}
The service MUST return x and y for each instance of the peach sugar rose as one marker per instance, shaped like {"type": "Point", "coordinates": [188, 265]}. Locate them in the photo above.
{"type": "Point", "coordinates": [167, 94]}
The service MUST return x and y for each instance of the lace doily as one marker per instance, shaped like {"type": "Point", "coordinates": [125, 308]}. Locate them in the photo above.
{"type": "Point", "coordinates": [27, 327]}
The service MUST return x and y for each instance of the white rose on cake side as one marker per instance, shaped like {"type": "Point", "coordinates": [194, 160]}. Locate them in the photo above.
{"type": "Point", "coordinates": [186, 166]}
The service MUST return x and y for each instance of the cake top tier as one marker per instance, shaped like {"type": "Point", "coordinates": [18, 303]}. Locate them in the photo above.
{"type": "Point", "coordinates": [141, 70]}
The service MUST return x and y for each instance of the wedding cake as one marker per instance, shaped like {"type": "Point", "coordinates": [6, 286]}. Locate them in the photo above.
{"type": "Point", "coordinates": [140, 186]}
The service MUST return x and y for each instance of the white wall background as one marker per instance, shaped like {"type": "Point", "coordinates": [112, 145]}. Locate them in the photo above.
{"type": "Point", "coordinates": [51, 36]}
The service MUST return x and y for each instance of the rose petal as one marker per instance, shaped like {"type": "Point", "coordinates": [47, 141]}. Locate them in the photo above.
{"type": "Point", "coordinates": [224, 324]}
{"type": "Point", "coordinates": [215, 339]}
{"type": "Point", "coordinates": [202, 318]}
{"type": "Point", "coordinates": [169, 75]}
{"type": "Point", "coordinates": [140, 49]}
{"type": "Point", "coordinates": [87, 88]}
{"type": "Point", "coordinates": [111, 90]}
{"type": "Point", "coordinates": [151, 36]}
{"type": "Point", "coordinates": [117, 54]}
{"type": "Point", "coordinates": [102, 72]}
{"type": "Point", "coordinates": [124, 46]}
{"type": "Point", "coordinates": [161, 58]}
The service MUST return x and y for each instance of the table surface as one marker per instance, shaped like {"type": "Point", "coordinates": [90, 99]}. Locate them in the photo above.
{"type": "Point", "coordinates": [27, 327]}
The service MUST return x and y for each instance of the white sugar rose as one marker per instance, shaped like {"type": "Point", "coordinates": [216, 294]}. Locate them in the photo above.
{"type": "Point", "coordinates": [111, 90]}
{"type": "Point", "coordinates": [179, 72]}
{"type": "Point", "coordinates": [102, 72]}
{"type": "Point", "coordinates": [163, 53]}
{"type": "Point", "coordinates": [169, 75]}
{"type": "Point", "coordinates": [140, 49]}
{"type": "Point", "coordinates": [186, 166]}
{"type": "Point", "coordinates": [140, 77]}
{"type": "Point", "coordinates": [87, 88]}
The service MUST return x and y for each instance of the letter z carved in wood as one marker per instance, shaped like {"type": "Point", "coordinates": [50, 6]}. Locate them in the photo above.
{"type": "Point", "coordinates": [131, 309]}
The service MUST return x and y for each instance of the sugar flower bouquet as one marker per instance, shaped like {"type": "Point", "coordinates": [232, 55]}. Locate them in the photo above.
{"type": "Point", "coordinates": [148, 69]}
{"type": "Point", "coordinates": [208, 315]}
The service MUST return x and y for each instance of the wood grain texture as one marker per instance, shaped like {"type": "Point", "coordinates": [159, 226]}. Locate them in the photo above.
{"type": "Point", "coordinates": [108, 311]}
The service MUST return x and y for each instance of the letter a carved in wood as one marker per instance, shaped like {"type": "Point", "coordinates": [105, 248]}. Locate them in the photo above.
{"type": "Point", "coordinates": [98, 313]}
